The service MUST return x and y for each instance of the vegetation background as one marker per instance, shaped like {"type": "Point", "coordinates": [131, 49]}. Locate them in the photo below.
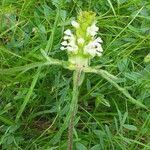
{"type": "Point", "coordinates": [34, 98]}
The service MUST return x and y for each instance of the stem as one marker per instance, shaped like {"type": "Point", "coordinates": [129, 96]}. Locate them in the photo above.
{"type": "Point", "coordinates": [73, 107]}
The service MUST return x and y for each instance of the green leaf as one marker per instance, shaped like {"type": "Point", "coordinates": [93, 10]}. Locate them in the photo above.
{"type": "Point", "coordinates": [96, 147]}
{"type": "Point", "coordinates": [80, 146]}
{"type": "Point", "coordinates": [27, 97]}
{"type": "Point", "coordinates": [101, 99]}
{"type": "Point", "coordinates": [56, 2]}
{"type": "Point", "coordinates": [130, 127]}
{"type": "Point", "coordinates": [6, 120]}
{"type": "Point", "coordinates": [134, 76]}
{"type": "Point", "coordinates": [111, 6]}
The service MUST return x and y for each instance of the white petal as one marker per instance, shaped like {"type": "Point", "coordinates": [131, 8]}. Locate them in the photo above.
{"type": "Point", "coordinates": [99, 48]}
{"type": "Point", "coordinates": [94, 27]}
{"type": "Point", "coordinates": [99, 54]}
{"type": "Point", "coordinates": [64, 43]}
{"type": "Point", "coordinates": [62, 48]}
{"type": "Point", "coordinates": [91, 32]}
{"type": "Point", "coordinates": [70, 48]}
{"type": "Point", "coordinates": [75, 24]}
{"type": "Point", "coordinates": [96, 45]}
{"type": "Point", "coordinates": [68, 32]}
{"type": "Point", "coordinates": [92, 52]}
{"type": "Point", "coordinates": [99, 40]}
{"type": "Point", "coordinates": [89, 50]}
{"type": "Point", "coordinates": [71, 43]}
{"type": "Point", "coordinates": [66, 37]}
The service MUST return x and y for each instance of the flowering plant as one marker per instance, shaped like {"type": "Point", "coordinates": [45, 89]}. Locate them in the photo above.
{"type": "Point", "coordinates": [82, 45]}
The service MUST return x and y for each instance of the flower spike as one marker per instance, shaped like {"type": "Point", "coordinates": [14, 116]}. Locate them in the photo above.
{"type": "Point", "coordinates": [82, 45]}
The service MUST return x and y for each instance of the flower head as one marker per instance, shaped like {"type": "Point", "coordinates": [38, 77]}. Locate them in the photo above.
{"type": "Point", "coordinates": [82, 45]}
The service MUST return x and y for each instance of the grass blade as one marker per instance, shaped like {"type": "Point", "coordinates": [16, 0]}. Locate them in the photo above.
{"type": "Point", "coordinates": [27, 97]}
{"type": "Point", "coordinates": [112, 7]}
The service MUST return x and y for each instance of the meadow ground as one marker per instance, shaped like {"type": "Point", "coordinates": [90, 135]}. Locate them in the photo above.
{"type": "Point", "coordinates": [35, 98]}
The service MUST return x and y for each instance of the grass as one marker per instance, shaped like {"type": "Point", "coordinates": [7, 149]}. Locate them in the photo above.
{"type": "Point", "coordinates": [35, 97]}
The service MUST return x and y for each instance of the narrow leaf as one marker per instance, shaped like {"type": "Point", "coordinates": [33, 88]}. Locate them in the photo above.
{"type": "Point", "coordinates": [130, 127]}
{"type": "Point", "coordinates": [27, 97]}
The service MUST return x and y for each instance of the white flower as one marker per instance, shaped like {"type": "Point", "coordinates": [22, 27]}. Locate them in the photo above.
{"type": "Point", "coordinates": [81, 41]}
{"type": "Point", "coordinates": [62, 48]}
{"type": "Point", "coordinates": [99, 40]}
{"type": "Point", "coordinates": [72, 48]}
{"type": "Point", "coordinates": [94, 48]}
{"type": "Point", "coordinates": [66, 37]}
{"type": "Point", "coordinates": [75, 24]}
{"type": "Point", "coordinates": [64, 43]}
{"type": "Point", "coordinates": [92, 30]}
{"type": "Point", "coordinates": [69, 42]}
{"type": "Point", "coordinates": [68, 32]}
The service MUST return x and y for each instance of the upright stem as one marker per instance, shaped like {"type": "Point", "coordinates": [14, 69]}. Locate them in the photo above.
{"type": "Point", "coordinates": [73, 106]}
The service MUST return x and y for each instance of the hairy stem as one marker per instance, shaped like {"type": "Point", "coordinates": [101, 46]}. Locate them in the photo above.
{"type": "Point", "coordinates": [73, 106]}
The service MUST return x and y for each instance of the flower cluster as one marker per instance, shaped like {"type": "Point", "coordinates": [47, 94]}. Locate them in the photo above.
{"type": "Point", "coordinates": [94, 47]}
{"type": "Point", "coordinates": [69, 42]}
{"type": "Point", "coordinates": [83, 44]}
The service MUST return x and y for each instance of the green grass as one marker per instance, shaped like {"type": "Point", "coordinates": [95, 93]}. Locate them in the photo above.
{"type": "Point", "coordinates": [35, 97]}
